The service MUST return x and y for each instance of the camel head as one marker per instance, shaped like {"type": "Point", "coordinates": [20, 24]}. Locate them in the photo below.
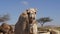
{"type": "Point", "coordinates": [31, 13]}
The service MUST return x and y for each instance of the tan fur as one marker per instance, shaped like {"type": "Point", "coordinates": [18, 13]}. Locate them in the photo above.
{"type": "Point", "coordinates": [6, 28]}
{"type": "Point", "coordinates": [22, 26]}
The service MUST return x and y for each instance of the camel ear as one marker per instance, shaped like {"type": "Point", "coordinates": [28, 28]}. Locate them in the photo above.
{"type": "Point", "coordinates": [36, 9]}
{"type": "Point", "coordinates": [27, 11]}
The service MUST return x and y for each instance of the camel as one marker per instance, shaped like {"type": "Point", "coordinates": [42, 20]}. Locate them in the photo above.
{"type": "Point", "coordinates": [27, 23]}
{"type": "Point", "coordinates": [6, 28]}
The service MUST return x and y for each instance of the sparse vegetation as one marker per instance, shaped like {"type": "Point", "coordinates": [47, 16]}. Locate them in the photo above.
{"type": "Point", "coordinates": [42, 21]}
{"type": "Point", "coordinates": [4, 18]}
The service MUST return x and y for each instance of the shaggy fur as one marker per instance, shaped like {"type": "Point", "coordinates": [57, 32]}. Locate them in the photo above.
{"type": "Point", "coordinates": [21, 24]}
{"type": "Point", "coordinates": [24, 24]}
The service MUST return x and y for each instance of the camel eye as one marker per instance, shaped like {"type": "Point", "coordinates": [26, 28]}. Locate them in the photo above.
{"type": "Point", "coordinates": [35, 12]}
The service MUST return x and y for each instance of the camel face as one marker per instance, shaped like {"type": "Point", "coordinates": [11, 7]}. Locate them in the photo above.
{"type": "Point", "coordinates": [32, 13]}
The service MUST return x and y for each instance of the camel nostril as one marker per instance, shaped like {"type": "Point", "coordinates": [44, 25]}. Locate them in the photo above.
{"type": "Point", "coordinates": [33, 18]}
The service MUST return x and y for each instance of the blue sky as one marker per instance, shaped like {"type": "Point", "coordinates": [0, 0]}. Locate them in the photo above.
{"type": "Point", "coordinates": [46, 8]}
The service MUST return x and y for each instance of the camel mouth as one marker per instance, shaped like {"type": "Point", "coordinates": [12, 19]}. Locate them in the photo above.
{"type": "Point", "coordinates": [31, 16]}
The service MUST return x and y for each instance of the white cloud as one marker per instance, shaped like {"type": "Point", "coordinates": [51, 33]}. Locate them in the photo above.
{"type": "Point", "coordinates": [24, 2]}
